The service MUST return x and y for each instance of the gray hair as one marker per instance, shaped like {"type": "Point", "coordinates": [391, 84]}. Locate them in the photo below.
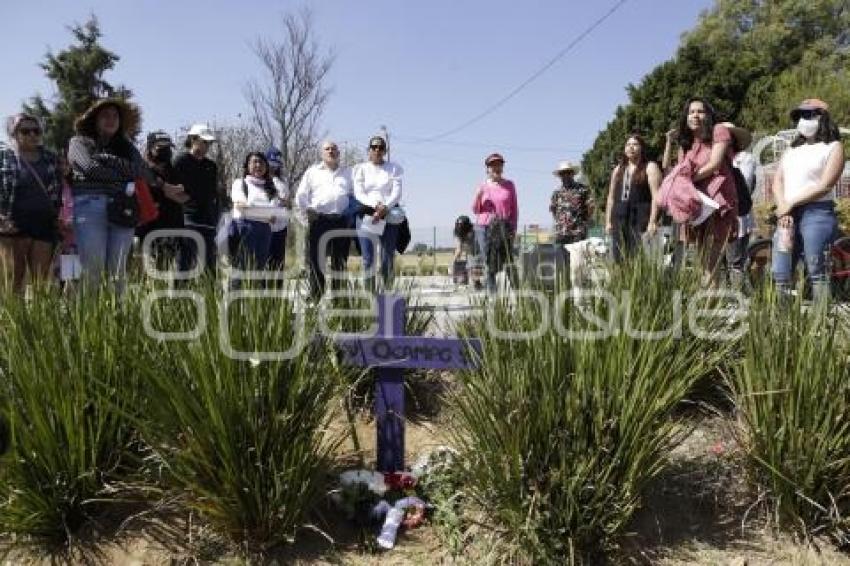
{"type": "Point", "coordinates": [325, 142]}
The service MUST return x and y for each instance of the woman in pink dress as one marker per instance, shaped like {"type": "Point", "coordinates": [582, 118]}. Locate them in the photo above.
{"type": "Point", "coordinates": [707, 146]}
{"type": "Point", "coordinates": [495, 208]}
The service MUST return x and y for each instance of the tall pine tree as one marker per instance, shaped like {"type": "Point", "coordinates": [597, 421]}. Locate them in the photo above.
{"type": "Point", "coordinates": [78, 73]}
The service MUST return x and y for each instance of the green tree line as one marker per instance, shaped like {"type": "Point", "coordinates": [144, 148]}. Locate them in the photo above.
{"type": "Point", "coordinates": [753, 59]}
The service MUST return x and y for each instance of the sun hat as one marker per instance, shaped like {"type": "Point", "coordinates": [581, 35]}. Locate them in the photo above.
{"type": "Point", "coordinates": [128, 113]}
{"type": "Point", "coordinates": [565, 165]}
{"type": "Point", "coordinates": [809, 104]}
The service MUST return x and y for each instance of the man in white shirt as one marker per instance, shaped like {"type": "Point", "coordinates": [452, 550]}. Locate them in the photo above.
{"type": "Point", "coordinates": [323, 196]}
{"type": "Point", "coordinates": [377, 186]}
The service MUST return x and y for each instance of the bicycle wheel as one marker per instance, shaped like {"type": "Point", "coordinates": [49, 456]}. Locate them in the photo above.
{"type": "Point", "coordinates": [757, 264]}
{"type": "Point", "coordinates": [839, 268]}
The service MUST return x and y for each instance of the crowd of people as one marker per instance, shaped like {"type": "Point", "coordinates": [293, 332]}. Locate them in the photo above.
{"type": "Point", "coordinates": [88, 195]}
{"type": "Point", "coordinates": [91, 201]}
{"type": "Point", "coordinates": [705, 196]}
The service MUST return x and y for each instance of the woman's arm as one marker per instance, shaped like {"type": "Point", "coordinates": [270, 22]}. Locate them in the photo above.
{"type": "Point", "coordinates": [513, 213]}
{"type": "Point", "coordinates": [609, 207]}
{"type": "Point", "coordinates": [653, 175]}
{"type": "Point", "coordinates": [359, 181]}
{"type": "Point", "coordinates": [477, 201]}
{"type": "Point", "coordinates": [828, 178]}
{"type": "Point", "coordinates": [81, 152]}
{"type": "Point", "coordinates": [718, 153]}
{"type": "Point", "coordinates": [668, 149]}
{"type": "Point", "coordinates": [395, 187]}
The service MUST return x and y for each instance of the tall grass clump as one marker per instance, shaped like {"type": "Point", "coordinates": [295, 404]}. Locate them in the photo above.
{"type": "Point", "coordinates": [792, 391]}
{"type": "Point", "coordinates": [245, 443]}
{"type": "Point", "coordinates": [559, 435]}
{"type": "Point", "coordinates": [71, 382]}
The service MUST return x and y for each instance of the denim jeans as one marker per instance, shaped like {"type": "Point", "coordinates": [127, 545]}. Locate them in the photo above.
{"type": "Point", "coordinates": [388, 242]}
{"type": "Point", "coordinates": [481, 239]}
{"type": "Point", "coordinates": [815, 226]}
{"type": "Point", "coordinates": [103, 247]}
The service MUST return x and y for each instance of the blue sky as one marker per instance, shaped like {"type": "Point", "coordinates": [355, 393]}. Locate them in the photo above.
{"type": "Point", "coordinates": [421, 68]}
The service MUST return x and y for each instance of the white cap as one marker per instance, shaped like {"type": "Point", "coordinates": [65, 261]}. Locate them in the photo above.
{"type": "Point", "coordinates": [202, 131]}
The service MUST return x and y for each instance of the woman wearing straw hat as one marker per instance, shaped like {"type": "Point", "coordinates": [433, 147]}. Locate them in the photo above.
{"type": "Point", "coordinates": [804, 189]}
{"type": "Point", "coordinates": [632, 208]}
{"type": "Point", "coordinates": [104, 165]}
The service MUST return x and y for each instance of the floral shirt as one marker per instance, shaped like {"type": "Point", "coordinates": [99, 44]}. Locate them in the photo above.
{"type": "Point", "coordinates": [570, 207]}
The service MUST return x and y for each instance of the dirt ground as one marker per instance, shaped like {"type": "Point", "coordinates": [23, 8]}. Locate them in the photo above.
{"type": "Point", "coordinates": [698, 512]}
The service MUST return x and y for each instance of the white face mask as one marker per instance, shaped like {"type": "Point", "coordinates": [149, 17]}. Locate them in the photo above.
{"type": "Point", "coordinates": [808, 128]}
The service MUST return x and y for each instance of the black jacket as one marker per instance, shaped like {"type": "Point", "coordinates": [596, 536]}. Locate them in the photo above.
{"type": "Point", "coordinates": [199, 178]}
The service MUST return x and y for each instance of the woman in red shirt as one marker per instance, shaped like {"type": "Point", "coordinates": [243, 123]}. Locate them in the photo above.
{"type": "Point", "coordinates": [707, 146]}
{"type": "Point", "coordinates": [495, 208]}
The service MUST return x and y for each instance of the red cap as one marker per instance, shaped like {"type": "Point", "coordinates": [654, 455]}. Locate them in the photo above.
{"type": "Point", "coordinates": [494, 158]}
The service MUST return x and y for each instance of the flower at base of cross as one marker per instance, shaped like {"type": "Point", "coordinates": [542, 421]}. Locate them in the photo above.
{"type": "Point", "coordinates": [374, 481]}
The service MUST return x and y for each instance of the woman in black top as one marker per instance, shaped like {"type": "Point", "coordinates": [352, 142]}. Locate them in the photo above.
{"type": "Point", "coordinates": [30, 198]}
{"type": "Point", "coordinates": [632, 199]}
{"type": "Point", "coordinates": [169, 200]}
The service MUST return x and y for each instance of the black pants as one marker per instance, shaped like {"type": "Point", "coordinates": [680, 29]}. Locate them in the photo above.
{"type": "Point", "coordinates": [337, 248]}
{"type": "Point", "coordinates": [630, 223]}
{"type": "Point", "coordinates": [188, 254]}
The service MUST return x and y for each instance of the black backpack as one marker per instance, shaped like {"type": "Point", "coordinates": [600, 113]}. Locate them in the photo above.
{"type": "Point", "coordinates": [745, 200]}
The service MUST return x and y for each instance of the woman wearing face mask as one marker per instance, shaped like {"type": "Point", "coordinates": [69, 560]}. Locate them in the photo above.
{"type": "Point", "coordinates": [804, 189]}
{"type": "Point", "coordinates": [169, 199]}
{"type": "Point", "coordinates": [30, 195]}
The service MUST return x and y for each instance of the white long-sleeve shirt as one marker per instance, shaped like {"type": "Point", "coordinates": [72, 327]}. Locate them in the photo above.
{"type": "Point", "coordinates": [375, 184]}
{"type": "Point", "coordinates": [324, 190]}
{"type": "Point", "coordinates": [257, 197]}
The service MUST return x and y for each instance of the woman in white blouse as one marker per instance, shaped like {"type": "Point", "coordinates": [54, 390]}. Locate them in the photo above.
{"type": "Point", "coordinates": [804, 189]}
{"type": "Point", "coordinates": [377, 186]}
{"type": "Point", "coordinates": [253, 226]}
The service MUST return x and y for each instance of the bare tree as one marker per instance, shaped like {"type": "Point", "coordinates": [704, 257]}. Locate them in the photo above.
{"type": "Point", "coordinates": [233, 142]}
{"type": "Point", "coordinates": [287, 103]}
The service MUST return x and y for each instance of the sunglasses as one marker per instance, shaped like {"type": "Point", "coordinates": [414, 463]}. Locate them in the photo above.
{"type": "Point", "coordinates": [378, 147]}
{"type": "Point", "coordinates": [28, 131]}
{"type": "Point", "coordinates": [807, 114]}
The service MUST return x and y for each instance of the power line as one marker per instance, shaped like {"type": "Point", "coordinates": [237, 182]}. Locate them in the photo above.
{"type": "Point", "coordinates": [533, 77]}
{"type": "Point", "coordinates": [491, 146]}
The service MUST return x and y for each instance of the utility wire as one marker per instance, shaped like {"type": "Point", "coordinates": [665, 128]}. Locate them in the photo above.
{"type": "Point", "coordinates": [493, 145]}
{"type": "Point", "coordinates": [530, 79]}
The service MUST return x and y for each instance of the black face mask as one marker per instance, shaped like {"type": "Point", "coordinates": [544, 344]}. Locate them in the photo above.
{"type": "Point", "coordinates": [162, 155]}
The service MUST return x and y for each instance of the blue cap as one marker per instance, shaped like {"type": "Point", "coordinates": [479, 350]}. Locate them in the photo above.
{"type": "Point", "coordinates": [274, 157]}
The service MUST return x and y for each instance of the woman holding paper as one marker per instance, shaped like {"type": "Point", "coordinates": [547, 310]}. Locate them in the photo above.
{"type": "Point", "coordinates": [257, 212]}
{"type": "Point", "coordinates": [377, 186]}
{"type": "Point", "coordinates": [707, 147]}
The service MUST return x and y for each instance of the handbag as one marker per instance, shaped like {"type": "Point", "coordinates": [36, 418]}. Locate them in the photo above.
{"type": "Point", "coordinates": [148, 211]}
{"type": "Point", "coordinates": [122, 208]}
